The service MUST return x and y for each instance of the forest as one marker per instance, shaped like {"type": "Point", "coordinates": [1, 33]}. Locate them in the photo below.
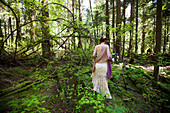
{"type": "Point", "coordinates": [46, 55]}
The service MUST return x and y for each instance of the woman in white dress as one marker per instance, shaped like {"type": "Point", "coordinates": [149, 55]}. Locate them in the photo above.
{"type": "Point", "coordinates": [102, 68]}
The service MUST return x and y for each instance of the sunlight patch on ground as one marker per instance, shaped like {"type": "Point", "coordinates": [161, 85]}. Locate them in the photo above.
{"type": "Point", "coordinates": [162, 70]}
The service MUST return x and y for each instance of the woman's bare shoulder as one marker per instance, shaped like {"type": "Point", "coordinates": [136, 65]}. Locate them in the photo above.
{"type": "Point", "coordinates": [106, 45]}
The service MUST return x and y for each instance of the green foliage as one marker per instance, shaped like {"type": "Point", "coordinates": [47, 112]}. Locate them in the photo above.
{"type": "Point", "coordinates": [31, 104]}
{"type": "Point", "coordinates": [91, 101]}
{"type": "Point", "coordinates": [21, 72]}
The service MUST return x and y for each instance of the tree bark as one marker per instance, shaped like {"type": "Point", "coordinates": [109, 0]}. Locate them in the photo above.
{"type": "Point", "coordinates": [10, 27]}
{"type": "Point", "coordinates": [165, 39]}
{"type": "Point", "coordinates": [131, 30]}
{"type": "Point", "coordinates": [143, 33]}
{"type": "Point", "coordinates": [19, 30]}
{"type": "Point", "coordinates": [113, 22]}
{"type": "Point", "coordinates": [45, 33]}
{"type": "Point", "coordinates": [124, 22]}
{"type": "Point", "coordinates": [73, 37]}
{"type": "Point", "coordinates": [158, 39]}
{"type": "Point", "coordinates": [1, 35]}
{"type": "Point", "coordinates": [118, 22]}
{"type": "Point", "coordinates": [154, 31]}
{"type": "Point", "coordinates": [107, 22]}
{"type": "Point", "coordinates": [168, 35]}
{"type": "Point", "coordinates": [30, 13]}
{"type": "Point", "coordinates": [5, 28]}
{"type": "Point", "coordinates": [80, 20]}
{"type": "Point", "coordinates": [136, 37]}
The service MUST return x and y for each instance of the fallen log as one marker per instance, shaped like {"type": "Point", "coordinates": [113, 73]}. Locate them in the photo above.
{"type": "Point", "coordinates": [23, 86]}
{"type": "Point", "coordinates": [128, 88]}
{"type": "Point", "coordinates": [128, 100]}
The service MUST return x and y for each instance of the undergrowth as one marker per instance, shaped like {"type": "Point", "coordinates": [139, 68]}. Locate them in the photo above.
{"type": "Point", "coordinates": [64, 85]}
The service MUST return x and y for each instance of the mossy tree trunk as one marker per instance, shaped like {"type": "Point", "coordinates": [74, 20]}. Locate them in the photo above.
{"type": "Point", "coordinates": [73, 37]}
{"type": "Point", "coordinates": [45, 32]}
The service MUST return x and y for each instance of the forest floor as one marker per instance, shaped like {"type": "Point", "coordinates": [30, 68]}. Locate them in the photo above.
{"type": "Point", "coordinates": [64, 86]}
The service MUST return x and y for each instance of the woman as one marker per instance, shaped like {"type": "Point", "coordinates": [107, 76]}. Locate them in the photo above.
{"type": "Point", "coordinates": [102, 68]}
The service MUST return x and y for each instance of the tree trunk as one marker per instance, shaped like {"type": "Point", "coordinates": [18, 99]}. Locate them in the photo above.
{"type": "Point", "coordinates": [143, 33]}
{"type": "Point", "coordinates": [1, 36]}
{"type": "Point", "coordinates": [5, 29]}
{"type": "Point", "coordinates": [10, 27]}
{"type": "Point", "coordinates": [73, 37]}
{"type": "Point", "coordinates": [107, 22]}
{"type": "Point", "coordinates": [31, 30]}
{"type": "Point", "coordinates": [154, 30]}
{"type": "Point", "coordinates": [80, 20]}
{"type": "Point", "coordinates": [136, 37]}
{"type": "Point", "coordinates": [92, 21]}
{"type": "Point", "coordinates": [68, 45]}
{"type": "Point", "coordinates": [113, 22]}
{"type": "Point", "coordinates": [168, 35]}
{"type": "Point", "coordinates": [124, 22]}
{"type": "Point", "coordinates": [118, 22]}
{"type": "Point", "coordinates": [45, 33]}
{"type": "Point", "coordinates": [158, 39]}
{"type": "Point", "coordinates": [19, 35]}
{"type": "Point", "coordinates": [131, 30]}
{"type": "Point", "coordinates": [165, 39]}
{"type": "Point", "coordinates": [143, 40]}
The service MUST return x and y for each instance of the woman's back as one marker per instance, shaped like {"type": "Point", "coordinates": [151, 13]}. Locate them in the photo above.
{"type": "Point", "coordinates": [103, 53]}
{"type": "Point", "coordinates": [99, 48]}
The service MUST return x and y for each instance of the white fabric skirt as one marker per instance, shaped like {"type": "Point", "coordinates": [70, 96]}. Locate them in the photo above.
{"type": "Point", "coordinates": [99, 80]}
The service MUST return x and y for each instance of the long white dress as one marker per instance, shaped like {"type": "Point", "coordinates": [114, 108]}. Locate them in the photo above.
{"type": "Point", "coordinates": [99, 79]}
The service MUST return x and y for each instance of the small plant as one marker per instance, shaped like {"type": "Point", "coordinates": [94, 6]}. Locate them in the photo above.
{"type": "Point", "coordinates": [31, 104]}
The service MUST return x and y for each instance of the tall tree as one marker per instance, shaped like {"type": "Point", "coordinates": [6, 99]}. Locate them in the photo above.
{"type": "Point", "coordinates": [5, 29]}
{"type": "Point", "coordinates": [167, 37]}
{"type": "Point", "coordinates": [113, 25]}
{"type": "Point", "coordinates": [136, 36]}
{"type": "Point", "coordinates": [107, 21]}
{"type": "Point", "coordinates": [31, 13]}
{"type": "Point", "coordinates": [1, 35]}
{"type": "Point", "coordinates": [45, 32]}
{"type": "Point", "coordinates": [80, 19]}
{"type": "Point", "coordinates": [143, 32]}
{"type": "Point", "coordinates": [154, 30]}
{"type": "Point", "coordinates": [10, 27]}
{"type": "Point", "coordinates": [118, 25]}
{"type": "Point", "coordinates": [124, 24]}
{"type": "Point", "coordinates": [165, 34]}
{"type": "Point", "coordinates": [158, 39]}
{"type": "Point", "coordinates": [73, 37]}
{"type": "Point", "coordinates": [131, 29]}
{"type": "Point", "coordinates": [94, 31]}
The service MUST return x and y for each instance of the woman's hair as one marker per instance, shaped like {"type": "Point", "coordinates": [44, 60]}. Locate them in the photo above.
{"type": "Point", "coordinates": [102, 39]}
